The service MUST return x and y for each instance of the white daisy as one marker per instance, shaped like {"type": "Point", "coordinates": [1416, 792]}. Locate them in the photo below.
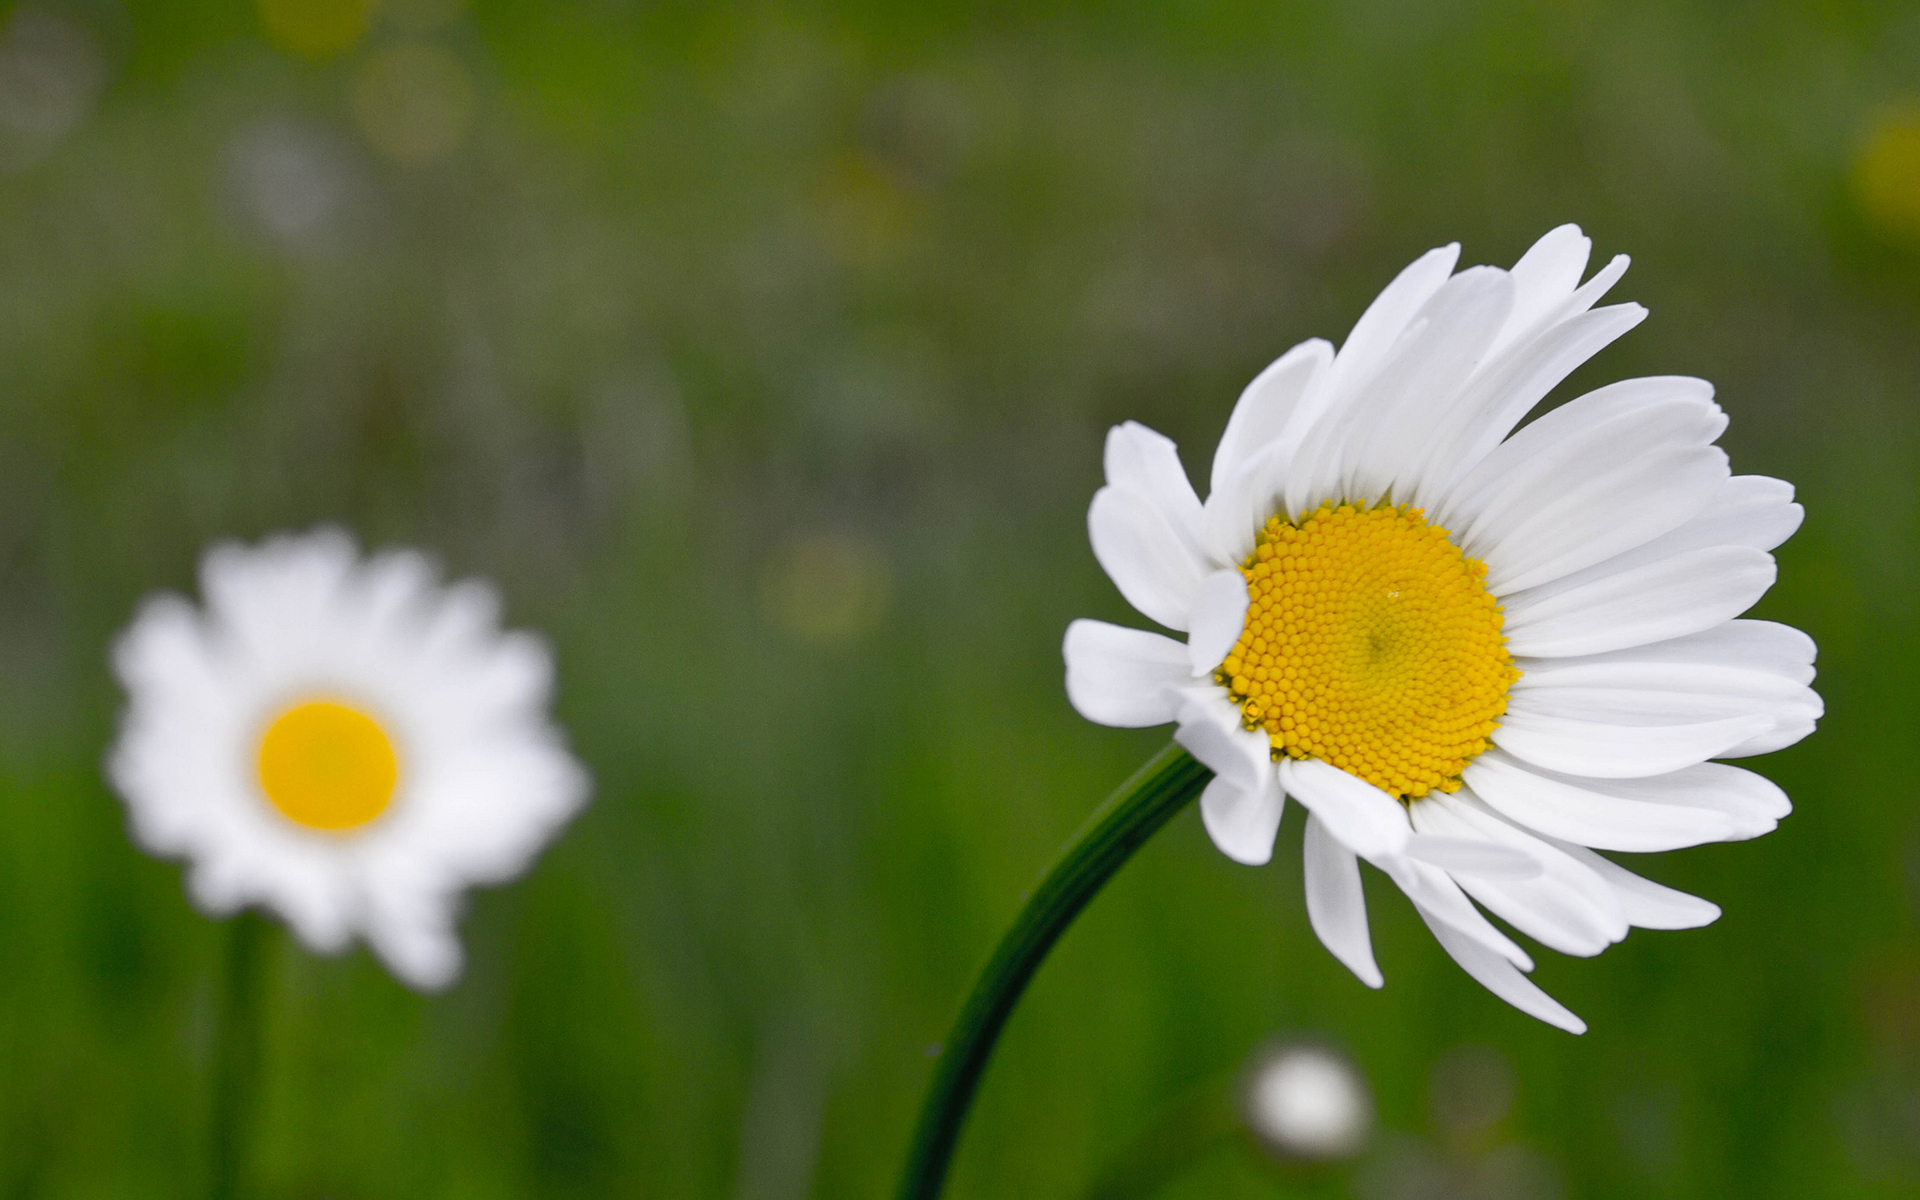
{"type": "Point", "coordinates": [345, 741]}
{"type": "Point", "coordinates": [1475, 655]}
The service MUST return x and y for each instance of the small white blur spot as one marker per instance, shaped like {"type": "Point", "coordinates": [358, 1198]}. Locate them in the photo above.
{"type": "Point", "coordinates": [1306, 1101]}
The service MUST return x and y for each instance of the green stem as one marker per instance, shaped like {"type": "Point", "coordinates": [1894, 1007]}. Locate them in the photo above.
{"type": "Point", "coordinates": [236, 1063]}
{"type": "Point", "coordinates": [1115, 830]}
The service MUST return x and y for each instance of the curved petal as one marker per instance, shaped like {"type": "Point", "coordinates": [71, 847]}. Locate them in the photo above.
{"type": "Point", "coordinates": [1336, 903]}
{"type": "Point", "coordinates": [1366, 820]}
{"type": "Point", "coordinates": [1505, 391]}
{"type": "Point", "coordinates": [1654, 603]}
{"type": "Point", "coordinates": [1673, 693]}
{"type": "Point", "coordinates": [1592, 519]}
{"type": "Point", "coordinates": [1743, 645]}
{"type": "Point", "coordinates": [1236, 511]}
{"type": "Point", "coordinates": [1663, 694]}
{"type": "Point", "coordinates": [1752, 804]}
{"type": "Point", "coordinates": [1595, 813]}
{"type": "Point", "coordinates": [1128, 678]}
{"type": "Point", "coordinates": [1748, 510]}
{"type": "Point", "coordinates": [1516, 462]}
{"type": "Point", "coordinates": [1389, 424]}
{"type": "Point", "coordinates": [1211, 731]}
{"type": "Point", "coordinates": [1500, 977]}
{"type": "Point", "coordinates": [1461, 856]}
{"type": "Point", "coordinates": [1570, 490]}
{"type": "Point", "coordinates": [1620, 751]}
{"type": "Point", "coordinates": [1543, 279]}
{"type": "Point", "coordinates": [1266, 406]}
{"type": "Point", "coordinates": [1242, 822]}
{"type": "Point", "coordinates": [1147, 463]}
{"type": "Point", "coordinates": [1218, 617]}
{"type": "Point", "coordinates": [1153, 564]}
{"type": "Point", "coordinates": [1380, 327]}
{"type": "Point", "coordinates": [1440, 899]}
{"type": "Point", "coordinates": [1648, 905]}
{"type": "Point", "coordinates": [1564, 905]}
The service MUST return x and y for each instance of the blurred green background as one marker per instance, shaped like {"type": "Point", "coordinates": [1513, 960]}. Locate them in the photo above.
{"type": "Point", "coordinates": [763, 354]}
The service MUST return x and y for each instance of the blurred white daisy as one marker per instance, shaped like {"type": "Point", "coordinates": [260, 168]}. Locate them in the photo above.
{"type": "Point", "coordinates": [1475, 655]}
{"type": "Point", "coordinates": [343, 740]}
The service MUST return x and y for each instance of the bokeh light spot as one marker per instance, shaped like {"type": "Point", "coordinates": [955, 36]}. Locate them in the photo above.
{"type": "Point", "coordinates": [827, 589]}
{"type": "Point", "coordinates": [315, 28]}
{"type": "Point", "coordinates": [413, 101]}
{"type": "Point", "coordinates": [1886, 174]}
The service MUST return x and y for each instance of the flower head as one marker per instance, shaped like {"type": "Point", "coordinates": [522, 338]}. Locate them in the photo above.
{"type": "Point", "coordinates": [1475, 655]}
{"type": "Point", "coordinates": [344, 740]}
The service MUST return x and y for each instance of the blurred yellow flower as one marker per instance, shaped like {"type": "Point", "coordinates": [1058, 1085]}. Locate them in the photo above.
{"type": "Point", "coordinates": [316, 28]}
{"type": "Point", "coordinates": [1886, 175]}
{"type": "Point", "coordinates": [413, 100]}
{"type": "Point", "coordinates": [827, 589]}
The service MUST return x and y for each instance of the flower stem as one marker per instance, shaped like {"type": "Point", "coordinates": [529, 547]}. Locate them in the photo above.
{"type": "Point", "coordinates": [236, 1063]}
{"type": "Point", "coordinates": [1108, 839]}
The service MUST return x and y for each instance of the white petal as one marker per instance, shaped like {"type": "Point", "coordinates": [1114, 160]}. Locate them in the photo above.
{"type": "Point", "coordinates": [1564, 905]}
{"type": "Point", "coordinates": [1316, 469]}
{"type": "Point", "coordinates": [1218, 617]}
{"type": "Point", "coordinates": [1764, 646]}
{"type": "Point", "coordinates": [1266, 406]}
{"type": "Point", "coordinates": [1147, 463]}
{"type": "Point", "coordinates": [1748, 510]}
{"type": "Point", "coordinates": [1440, 899]}
{"type": "Point", "coordinates": [1663, 694]}
{"type": "Point", "coordinates": [1237, 510]}
{"type": "Point", "coordinates": [1211, 731]}
{"type": "Point", "coordinates": [1671, 693]}
{"type": "Point", "coordinates": [1648, 905]}
{"type": "Point", "coordinates": [1389, 426]}
{"type": "Point", "coordinates": [1366, 820]}
{"type": "Point", "coordinates": [1498, 976]}
{"type": "Point", "coordinates": [1599, 813]}
{"type": "Point", "coordinates": [1461, 856]}
{"type": "Point", "coordinates": [1336, 903]}
{"type": "Point", "coordinates": [1544, 277]}
{"type": "Point", "coordinates": [1153, 564]}
{"type": "Point", "coordinates": [1123, 677]}
{"type": "Point", "coordinates": [1668, 599]}
{"type": "Point", "coordinates": [1582, 499]}
{"type": "Point", "coordinates": [411, 930]}
{"type": "Point", "coordinates": [1620, 751]}
{"type": "Point", "coordinates": [1242, 822]}
{"type": "Point", "coordinates": [1381, 326]}
{"type": "Point", "coordinates": [1751, 804]}
{"type": "Point", "coordinates": [1784, 733]}
{"type": "Point", "coordinates": [1517, 461]}
{"type": "Point", "coordinates": [1506, 390]}
{"type": "Point", "coordinates": [1604, 515]}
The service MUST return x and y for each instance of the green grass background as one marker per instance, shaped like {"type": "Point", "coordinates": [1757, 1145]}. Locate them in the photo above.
{"type": "Point", "coordinates": [763, 353]}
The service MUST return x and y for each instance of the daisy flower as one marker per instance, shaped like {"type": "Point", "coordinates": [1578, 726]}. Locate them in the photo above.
{"type": "Point", "coordinates": [343, 740]}
{"type": "Point", "coordinates": [1477, 653]}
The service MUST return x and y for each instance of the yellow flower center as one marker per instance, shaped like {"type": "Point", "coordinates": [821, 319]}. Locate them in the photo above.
{"type": "Point", "coordinates": [327, 766]}
{"type": "Point", "coordinates": [1371, 643]}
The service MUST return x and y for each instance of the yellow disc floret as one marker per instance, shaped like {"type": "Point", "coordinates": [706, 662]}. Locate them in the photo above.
{"type": "Point", "coordinates": [1371, 643]}
{"type": "Point", "coordinates": [327, 766]}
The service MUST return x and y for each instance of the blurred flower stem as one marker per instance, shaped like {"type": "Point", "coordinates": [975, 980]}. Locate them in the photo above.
{"type": "Point", "coordinates": [237, 1050]}
{"type": "Point", "coordinates": [1116, 829]}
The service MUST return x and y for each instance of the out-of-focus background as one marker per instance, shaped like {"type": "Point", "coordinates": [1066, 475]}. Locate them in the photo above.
{"type": "Point", "coordinates": [763, 353]}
